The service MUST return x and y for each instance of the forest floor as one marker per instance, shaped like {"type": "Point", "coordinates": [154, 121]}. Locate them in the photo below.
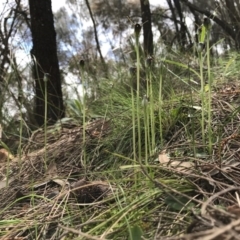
{"type": "Point", "coordinates": [77, 183]}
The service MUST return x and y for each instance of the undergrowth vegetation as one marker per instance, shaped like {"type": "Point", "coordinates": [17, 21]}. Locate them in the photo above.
{"type": "Point", "coordinates": [161, 136]}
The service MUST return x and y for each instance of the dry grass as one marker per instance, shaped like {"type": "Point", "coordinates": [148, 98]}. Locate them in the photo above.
{"type": "Point", "coordinates": [52, 199]}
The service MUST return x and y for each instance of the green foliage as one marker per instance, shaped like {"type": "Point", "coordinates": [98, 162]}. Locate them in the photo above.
{"type": "Point", "coordinates": [135, 233]}
{"type": "Point", "coordinates": [74, 108]}
{"type": "Point", "coordinates": [179, 203]}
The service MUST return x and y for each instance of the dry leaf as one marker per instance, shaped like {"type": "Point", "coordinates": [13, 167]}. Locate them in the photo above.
{"type": "Point", "coordinates": [52, 169]}
{"type": "Point", "coordinates": [79, 183]}
{"type": "Point", "coordinates": [40, 184]}
{"type": "Point", "coordinates": [163, 157]}
{"type": "Point", "coordinates": [4, 182]}
{"type": "Point", "coordinates": [234, 209]}
{"type": "Point", "coordinates": [5, 155]}
{"type": "Point", "coordinates": [184, 166]}
{"type": "Point", "coordinates": [209, 169]}
{"type": "Point", "coordinates": [46, 181]}
{"type": "Point", "coordinates": [61, 182]}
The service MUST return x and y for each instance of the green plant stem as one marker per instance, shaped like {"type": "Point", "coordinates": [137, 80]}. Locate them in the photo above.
{"type": "Point", "coordinates": [160, 104]}
{"type": "Point", "coordinates": [84, 123]}
{"type": "Point", "coordinates": [45, 120]}
{"type": "Point", "coordinates": [133, 126]}
{"type": "Point", "coordinates": [138, 100]}
{"type": "Point", "coordinates": [146, 133]}
{"type": "Point", "coordinates": [147, 140]}
{"type": "Point", "coordinates": [152, 118]}
{"type": "Point", "coordinates": [202, 97]}
{"type": "Point", "coordinates": [192, 122]}
{"type": "Point", "coordinates": [209, 96]}
{"type": "Point", "coordinates": [20, 133]}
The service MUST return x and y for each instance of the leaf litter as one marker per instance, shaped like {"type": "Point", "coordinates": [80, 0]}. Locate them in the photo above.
{"type": "Point", "coordinates": [215, 180]}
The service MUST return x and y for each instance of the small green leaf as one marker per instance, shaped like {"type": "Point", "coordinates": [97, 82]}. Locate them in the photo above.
{"type": "Point", "coordinates": [178, 203]}
{"type": "Point", "coordinates": [136, 233]}
{"type": "Point", "coordinates": [203, 34]}
{"type": "Point", "coordinates": [206, 88]}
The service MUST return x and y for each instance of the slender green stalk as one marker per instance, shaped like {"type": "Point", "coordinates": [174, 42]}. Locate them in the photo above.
{"type": "Point", "coordinates": [138, 102]}
{"type": "Point", "coordinates": [204, 33]}
{"type": "Point", "coordinates": [146, 106]}
{"type": "Point", "coordinates": [192, 122]}
{"type": "Point", "coordinates": [134, 136]}
{"type": "Point", "coordinates": [84, 116]}
{"type": "Point", "coordinates": [202, 93]}
{"type": "Point", "coordinates": [160, 104]}
{"type": "Point", "coordinates": [209, 96]}
{"type": "Point", "coordinates": [133, 126]}
{"type": "Point", "coordinates": [152, 118]}
{"type": "Point", "coordinates": [137, 31]}
{"type": "Point", "coordinates": [45, 79]}
{"type": "Point", "coordinates": [146, 128]}
{"type": "Point", "coordinates": [20, 129]}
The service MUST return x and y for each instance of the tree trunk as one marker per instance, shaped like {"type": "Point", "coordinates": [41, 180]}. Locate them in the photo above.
{"type": "Point", "coordinates": [147, 28]}
{"type": "Point", "coordinates": [183, 28]}
{"type": "Point", "coordinates": [44, 54]}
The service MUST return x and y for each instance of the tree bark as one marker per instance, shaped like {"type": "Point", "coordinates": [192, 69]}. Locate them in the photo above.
{"type": "Point", "coordinates": [44, 54]}
{"type": "Point", "coordinates": [147, 28]}
{"type": "Point", "coordinates": [183, 28]}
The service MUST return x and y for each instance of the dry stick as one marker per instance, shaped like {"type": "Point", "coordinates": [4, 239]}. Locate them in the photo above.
{"type": "Point", "coordinates": [80, 233]}
{"type": "Point", "coordinates": [222, 230]}
{"type": "Point", "coordinates": [205, 204]}
{"type": "Point", "coordinates": [196, 235]}
{"type": "Point", "coordinates": [162, 186]}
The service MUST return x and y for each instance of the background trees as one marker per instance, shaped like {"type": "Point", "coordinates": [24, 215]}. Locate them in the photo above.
{"type": "Point", "coordinates": [101, 33]}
